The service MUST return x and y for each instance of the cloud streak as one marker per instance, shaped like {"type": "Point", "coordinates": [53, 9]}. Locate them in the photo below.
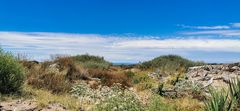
{"type": "Point", "coordinates": [206, 27]}
{"type": "Point", "coordinates": [237, 25]}
{"type": "Point", "coordinates": [214, 32]}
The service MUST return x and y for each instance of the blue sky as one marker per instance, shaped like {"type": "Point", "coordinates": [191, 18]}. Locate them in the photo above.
{"type": "Point", "coordinates": [122, 30]}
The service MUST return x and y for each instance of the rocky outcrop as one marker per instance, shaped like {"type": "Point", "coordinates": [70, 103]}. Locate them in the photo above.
{"type": "Point", "coordinates": [214, 75]}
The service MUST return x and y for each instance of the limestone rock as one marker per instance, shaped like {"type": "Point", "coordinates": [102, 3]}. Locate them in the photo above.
{"type": "Point", "coordinates": [214, 75]}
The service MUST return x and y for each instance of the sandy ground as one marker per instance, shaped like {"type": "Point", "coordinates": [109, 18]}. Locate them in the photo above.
{"type": "Point", "coordinates": [28, 105]}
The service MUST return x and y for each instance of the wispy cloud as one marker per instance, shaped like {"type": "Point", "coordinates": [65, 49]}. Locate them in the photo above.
{"type": "Point", "coordinates": [236, 25]}
{"type": "Point", "coordinates": [117, 48]}
{"type": "Point", "coordinates": [206, 27]}
{"type": "Point", "coordinates": [214, 32]}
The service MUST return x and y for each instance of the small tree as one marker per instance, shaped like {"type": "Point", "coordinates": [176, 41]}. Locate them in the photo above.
{"type": "Point", "coordinates": [11, 73]}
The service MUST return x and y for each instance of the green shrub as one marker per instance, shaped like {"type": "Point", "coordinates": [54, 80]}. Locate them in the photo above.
{"type": "Point", "coordinates": [130, 74]}
{"type": "Point", "coordinates": [169, 64]}
{"type": "Point", "coordinates": [87, 57]}
{"type": "Point", "coordinates": [11, 73]}
{"type": "Point", "coordinates": [234, 88]}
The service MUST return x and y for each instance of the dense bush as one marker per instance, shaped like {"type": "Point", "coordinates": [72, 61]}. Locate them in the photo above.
{"type": "Point", "coordinates": [11, 73]}
{"type": "Point", "coordinates": [169, 64]}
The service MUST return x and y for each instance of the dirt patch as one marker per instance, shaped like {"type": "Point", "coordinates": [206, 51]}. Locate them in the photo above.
{"type": "Point", "coordinates": [28, 105]}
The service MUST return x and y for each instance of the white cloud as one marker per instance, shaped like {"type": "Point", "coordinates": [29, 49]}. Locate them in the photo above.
{"type": "Point", "coordinates": [201, 44]}
{"type": "Point", "coordinates": [206, 27]}
{"type": "Point", "coordinates": [113, 48]}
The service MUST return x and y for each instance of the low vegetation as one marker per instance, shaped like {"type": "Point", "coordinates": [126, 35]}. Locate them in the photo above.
{"type": "Point", "coordinates": [87, 82]}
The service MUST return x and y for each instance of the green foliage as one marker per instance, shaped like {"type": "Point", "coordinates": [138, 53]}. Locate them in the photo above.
{"type": "Point", "coordinates": [94, 65]}
{"type": "Point", "coordinates": [225, 102]}
{"type": "Point", "coordinates": [160, 89]}
{"type": "Point", "coordinates": [11, 73]}
{"type": "Point", "coordinates": [169, 64]}
{"type": "Point", "coordinates": [90, 61]}
{"type": "Point", "coordinates": [157, 104]}
{"type": "Point", "coordinates": [86, 58]}
{"type": "Point", "coordinates": [130, 74]}
{"type": "Point", "coordinates": [141, 79]}
{"type": "Point", "coordinates": [234, 88]}
{"type": "Point", "coordinates": [218, 102]}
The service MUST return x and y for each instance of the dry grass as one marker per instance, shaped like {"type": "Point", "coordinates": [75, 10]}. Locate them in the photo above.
{"type": "Point", "coordinates": [51, 81]}
{"type": "Point", "coordinates": [143, 82]}
{"type": "Point", "coordinates": [109, 78]}
{"type": "Point", "coordinates": [64, 62]}
{"type": "Point", "coordinates": [39, 76]}
{"type": "Point", "coordinates": [158, 103]}
{"type": "Point", "coordinates": [186, 104]}
{"type": "Point", "coordinates": [44, 98]}
{"type": "Point", "coordinates": [76, 72]}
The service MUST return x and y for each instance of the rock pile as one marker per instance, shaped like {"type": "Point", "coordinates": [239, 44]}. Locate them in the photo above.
{"type": "Point", "coordinates": [214, 75]}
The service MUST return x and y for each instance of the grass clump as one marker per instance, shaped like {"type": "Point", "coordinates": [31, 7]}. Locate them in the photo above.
{"type": "Point", "coordinates": [11, 73]}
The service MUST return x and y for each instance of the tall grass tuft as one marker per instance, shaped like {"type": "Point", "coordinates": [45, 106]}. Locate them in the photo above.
{"type": "Point", "coordinates": [234, 88]}
{"type": "Point", "coordinates": [225, 102]}
{"type": "Point", "coordinates": [219, 102]}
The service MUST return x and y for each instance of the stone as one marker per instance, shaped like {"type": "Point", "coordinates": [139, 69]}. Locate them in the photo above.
{"type": "Point", "coordinates": [214, 75]}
